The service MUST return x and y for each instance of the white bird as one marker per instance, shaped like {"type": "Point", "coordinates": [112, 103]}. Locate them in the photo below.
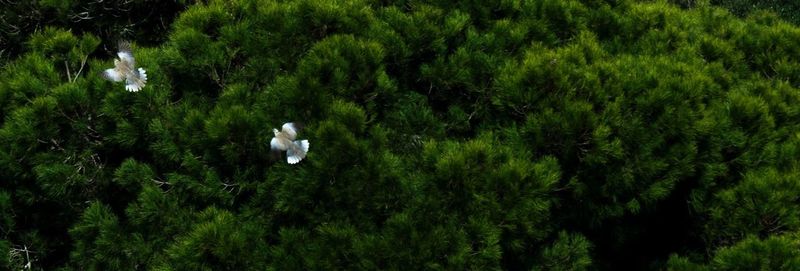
{"type": "Point", "coordinates": [284, 140]}
{"type": "Point", "coordinates": [125, 69]}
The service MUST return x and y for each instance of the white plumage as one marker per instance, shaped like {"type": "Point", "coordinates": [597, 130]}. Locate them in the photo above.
{"type": "Point", "coordinates": [125, 69]}
{"type": "Point", "coordinates": [284, 140]}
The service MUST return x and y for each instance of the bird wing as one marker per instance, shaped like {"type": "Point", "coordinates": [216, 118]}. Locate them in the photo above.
{"type": "Point", "coordinates": [127, 59]}
{"type": "Point", "coordinates": [113, 75]}
{"type": "Point", "coordinates": [277, 144]}
{"type": "Point", "coordinates": [290, 130]}
{"type": "Point", "coordinates": [126, 55]}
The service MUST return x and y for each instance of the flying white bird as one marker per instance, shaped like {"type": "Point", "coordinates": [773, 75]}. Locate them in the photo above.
{"type": "Point", "coordinates": [125, 69]}
{"type": "Point", "coordinates": [284, 140]}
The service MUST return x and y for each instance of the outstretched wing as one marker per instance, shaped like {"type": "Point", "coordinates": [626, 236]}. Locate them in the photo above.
{"type": "Point", "coordinates": [113, 75]}
{"type": "Point", "coordinates": [290, 130]}
{"type": "Point", "coordinates": [277, 144]}
{"type": "Point", "coordinates": [126, 55]}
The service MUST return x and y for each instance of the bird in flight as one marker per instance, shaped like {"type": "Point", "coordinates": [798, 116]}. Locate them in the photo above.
{"type": "Point", "coordinates": [284, 140]}
{"type": "Point", "coordinates": [125, 69]}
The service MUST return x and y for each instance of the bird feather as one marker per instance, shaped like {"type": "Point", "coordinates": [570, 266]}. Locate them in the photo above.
{"type": "Point", "coordinates": [113, 75]}
{"type": "Point", "coordinates": [290, 130]}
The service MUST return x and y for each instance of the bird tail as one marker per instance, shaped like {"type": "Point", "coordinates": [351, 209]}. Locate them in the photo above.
{"type": "Point", "coordinates": [136, 83]}
{"type": "Point", "coordinates": [297, 152]}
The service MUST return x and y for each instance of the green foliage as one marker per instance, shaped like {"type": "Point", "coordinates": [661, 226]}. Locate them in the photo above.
{"type": "Point", "coordinates": [468, 135]}
{"type": "Point", "coordinates": [100, 241]}
{"type": "Point", "coordinates": [788, 10]}
{"type": "Point", "coordinates": [145, 20]}
{"type": "Point", "coordinates": [217, 242]}
{"type": "Point", "coordinates": [774, 253]}
{"type": "Point", "coordinates": [778, 252]}
{"type": "Point", "coordinates": [763, 203]}
{"type": "Point", "coordinates": [568, 252]}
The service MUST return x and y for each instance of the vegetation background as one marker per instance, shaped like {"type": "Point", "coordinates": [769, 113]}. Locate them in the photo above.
{"type": "Point", "coordinates": [446, 135]}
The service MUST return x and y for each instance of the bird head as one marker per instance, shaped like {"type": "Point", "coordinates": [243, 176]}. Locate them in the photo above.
{"type": "Point", "coordinates": [275, 131]}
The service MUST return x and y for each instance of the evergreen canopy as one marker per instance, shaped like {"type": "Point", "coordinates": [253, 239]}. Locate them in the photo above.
{"type": "Point", "coordinates": [448, 135]}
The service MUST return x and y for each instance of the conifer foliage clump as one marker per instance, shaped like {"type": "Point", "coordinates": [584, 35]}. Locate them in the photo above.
{"type": "Point", "coordinates": [448, 135]}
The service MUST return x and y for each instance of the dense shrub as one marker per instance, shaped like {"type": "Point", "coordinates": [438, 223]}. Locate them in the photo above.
{"type": "Point", "coordinates": [144, 20]}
